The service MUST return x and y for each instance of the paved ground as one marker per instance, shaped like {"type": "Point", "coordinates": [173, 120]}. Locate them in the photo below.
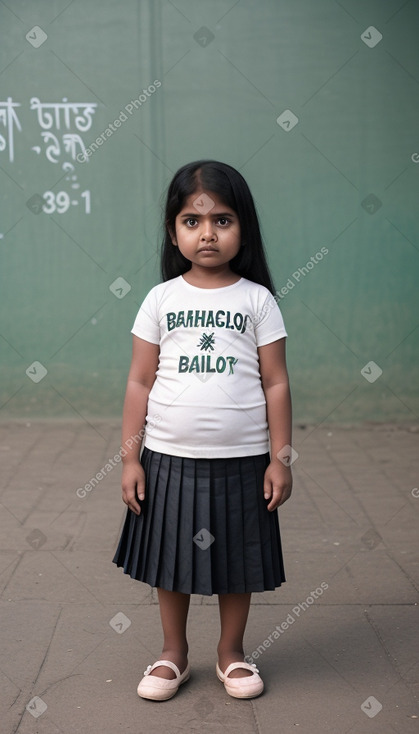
{"type": "Point", "coordinates": [77, 634]}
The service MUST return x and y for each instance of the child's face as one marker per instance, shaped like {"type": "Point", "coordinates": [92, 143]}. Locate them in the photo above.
{"type": "Point", "coordinates": [207, 231]}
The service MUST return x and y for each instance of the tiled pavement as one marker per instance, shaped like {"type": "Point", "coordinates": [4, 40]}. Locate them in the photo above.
{"type": "Point", "coordinates": [77, 634]}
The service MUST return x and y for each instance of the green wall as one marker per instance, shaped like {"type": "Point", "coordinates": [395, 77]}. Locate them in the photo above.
{"type": "Point", "coordinates": [344, 178]}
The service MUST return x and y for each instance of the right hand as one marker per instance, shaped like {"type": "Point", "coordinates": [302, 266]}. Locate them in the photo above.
{"type": "Point", "coordinates": [133, 485]}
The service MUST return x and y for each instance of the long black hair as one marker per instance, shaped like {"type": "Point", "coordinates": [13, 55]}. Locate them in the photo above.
{"type": "Point", "coordinates": [222, 179]}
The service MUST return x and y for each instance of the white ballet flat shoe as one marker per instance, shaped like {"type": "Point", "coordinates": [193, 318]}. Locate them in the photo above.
{"type": "Point", "coordinates": [249, 686]}
{"type": "Point", "coordinates": [160, 689]}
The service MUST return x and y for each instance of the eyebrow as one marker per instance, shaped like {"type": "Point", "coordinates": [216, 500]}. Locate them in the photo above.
{"type": "Point", "coordinates": [195, 215]}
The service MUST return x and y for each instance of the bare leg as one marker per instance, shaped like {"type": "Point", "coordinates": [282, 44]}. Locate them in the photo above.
{"type": "Point", "coordinates": [174, 607]}
{"type": "Point", "coordinates": [234, 610]}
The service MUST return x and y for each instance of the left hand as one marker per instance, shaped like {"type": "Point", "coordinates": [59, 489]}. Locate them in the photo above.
{"type": "Point", "coordinates": [277, 485]}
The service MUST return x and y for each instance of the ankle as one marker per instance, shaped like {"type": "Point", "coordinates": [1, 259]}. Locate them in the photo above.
{"type": "Point", "coordinates": [175, 652]}
{"type": "Point", "coordinates": [235, 652]}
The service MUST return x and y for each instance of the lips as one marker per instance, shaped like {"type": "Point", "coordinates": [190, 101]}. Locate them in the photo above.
{"type": "Point", "coordinates": [208, 248]}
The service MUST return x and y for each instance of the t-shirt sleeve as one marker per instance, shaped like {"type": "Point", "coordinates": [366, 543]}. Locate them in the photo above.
{"type": "Point", "coordinates": [269, 323]}
{"type": "Point", "coordinates": [146, 324]}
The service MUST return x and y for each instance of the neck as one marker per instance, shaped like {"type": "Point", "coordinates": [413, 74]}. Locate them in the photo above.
{"type": "Point", "coordinates": [210, 277]}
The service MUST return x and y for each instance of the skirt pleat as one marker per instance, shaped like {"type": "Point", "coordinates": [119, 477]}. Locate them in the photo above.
{"type": "Point", "coordinates": [204, 527]}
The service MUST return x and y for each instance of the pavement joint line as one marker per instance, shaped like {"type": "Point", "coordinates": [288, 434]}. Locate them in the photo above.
{"type": "Point", "coordinates": [383, 470]}
{"type": "Point", "coordinates": [18, 694]}
{"type": "Point", "coordinates": [402, 493]}
{"type": "Point", "coordinates": [379, 637]}
{"type": "Point", "coordinates": [44, 491]}
{"type": "Point", "coordinates": [105, 637]}
{"type": "Point", "coordinates": [66, 448]}
{"type": "Point", "coordinates": [101, 603]}
{"type": "Point", "coordinates": [348, 485]}
{"type": "Point", "coordinates": [391, 660]}
{"type": "Point", "coordinates": [402, 679]}
{"type": "Point", "coordinates": [409, 580]}
{"type": "Point", "coordinates": [258, 728]}
{"type": "Point", "coordinates": [345, 564]}
{"type": "Point", "coordinates": [15, 560]}
{"type": "Point", "coordinates": [58, 727]}
{"type": "Point", "coordinates": [59, 515]}
{"type": "Point", "coordinates": [11, 513]}
{"type": "Point", "coordinates": [319, 653]}
{"type": "Point", "coordinates": [298, 479]}
{"type": "Point", "coordinates": [49, 644]}
{"type": "Point", "coordinates": [331, 498]}
{"type": "Point", "coordinates": [395, 514]}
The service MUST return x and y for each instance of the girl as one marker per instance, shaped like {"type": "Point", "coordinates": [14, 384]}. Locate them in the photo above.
{"type": "Point", "coordinates": [208, 379]}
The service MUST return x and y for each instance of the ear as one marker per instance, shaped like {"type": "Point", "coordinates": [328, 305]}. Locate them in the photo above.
{"type": "Point", "coordinates": [172, 236]}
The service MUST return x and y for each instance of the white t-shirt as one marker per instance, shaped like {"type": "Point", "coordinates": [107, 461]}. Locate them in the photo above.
{"type": "Point", "coordinates": [207, 400]}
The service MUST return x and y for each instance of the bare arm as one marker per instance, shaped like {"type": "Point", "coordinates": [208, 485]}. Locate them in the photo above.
{"type": "Point", "coordinates": [274, 375]}
{"type": "Point", "coordinates": [141, 376]}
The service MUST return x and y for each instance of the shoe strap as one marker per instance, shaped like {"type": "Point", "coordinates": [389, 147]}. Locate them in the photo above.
{"type": "Point", "coordinates": [247, 666]}
{"type": "Point", "coordinates": [167, 663]}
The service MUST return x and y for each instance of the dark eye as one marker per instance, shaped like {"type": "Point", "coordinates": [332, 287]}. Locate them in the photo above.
{"type": "Point", "coordinates": [223, 221]}
{"type": "Point", "coordinates": [189, 220]}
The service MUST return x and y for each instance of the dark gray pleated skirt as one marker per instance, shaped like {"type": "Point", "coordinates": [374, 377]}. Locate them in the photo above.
{"type": "Point", "coordinates": [204, 527]}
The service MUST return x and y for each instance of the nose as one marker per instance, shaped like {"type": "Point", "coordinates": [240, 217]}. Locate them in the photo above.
{"type": "Point", "coordinates": [208, 230]}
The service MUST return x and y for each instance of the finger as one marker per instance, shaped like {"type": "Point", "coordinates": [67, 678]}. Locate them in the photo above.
{"type": "Point", "coordinates": [285, 496]}
{"type": "Point", "coordinates": [141, 492]}
{"type": "Point", "coordinates": [267, 489]}
{"type": "Point", "coordinates": [130, 499]}
{"type": "Point", "coordinates": [276, 498]}
{"type": "Point", "coordinates": [272, 504]}
{"type": "Point", "coordinates": [134, 506]}
{"type": "Point", "coordinates": [136, 509]}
